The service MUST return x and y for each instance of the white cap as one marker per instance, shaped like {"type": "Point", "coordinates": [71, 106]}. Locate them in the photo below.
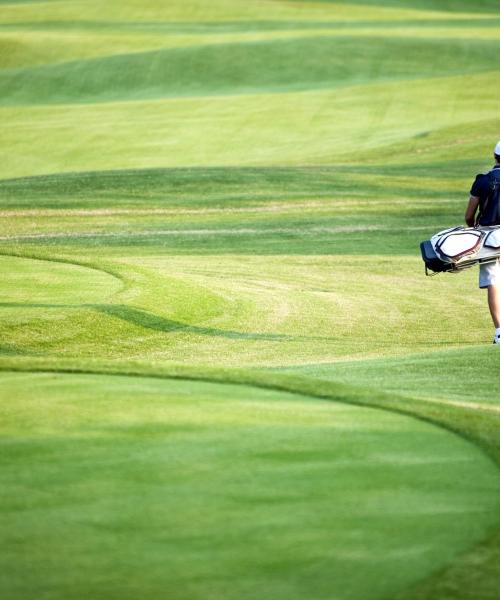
{"type": "Point", "coordinates": [497, 149]}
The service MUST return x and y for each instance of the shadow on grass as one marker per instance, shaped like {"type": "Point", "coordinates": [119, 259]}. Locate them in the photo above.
{"type": "Point", "coordinates": [157, 323]}
{"type": "Point", "coordinates": [149, 320]}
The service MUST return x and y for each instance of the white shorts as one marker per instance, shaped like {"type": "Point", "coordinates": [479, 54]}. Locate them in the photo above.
{"type": "Point", "coordinates": [489, 274]}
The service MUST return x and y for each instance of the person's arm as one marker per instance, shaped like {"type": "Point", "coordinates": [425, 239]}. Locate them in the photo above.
{"type": "Point", "coordinates": [470, 213]}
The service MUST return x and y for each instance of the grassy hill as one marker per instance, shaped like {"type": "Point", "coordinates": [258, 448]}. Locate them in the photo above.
{"type": "Point", "coordinates": [223, 372]}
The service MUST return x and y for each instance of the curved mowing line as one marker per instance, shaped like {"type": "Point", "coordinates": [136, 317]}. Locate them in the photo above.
{"type": "Point", "coordinates": [79, 263]}
{"type": "Point", "coordinates": [325, 391]}
{"type": "Point", "coordinates": [300, 385]}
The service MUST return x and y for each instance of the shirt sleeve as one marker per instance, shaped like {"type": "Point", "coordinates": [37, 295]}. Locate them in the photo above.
{"type": "Point", "coordinates": [477, 188]}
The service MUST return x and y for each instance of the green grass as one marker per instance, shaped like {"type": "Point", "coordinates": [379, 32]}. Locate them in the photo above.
{"type": "Point", "coordinates": [223, 373]}
{"type": "Point", "coordinates": [249, 130]}
{"type": "Point", "coordinates": [291, 65]}
{"type": "Point", "coordinates": [89, 473]}
{"type": "Point", "coordinates": [467, 375]}
{"type": "Point", "coordinates": [441, 5]}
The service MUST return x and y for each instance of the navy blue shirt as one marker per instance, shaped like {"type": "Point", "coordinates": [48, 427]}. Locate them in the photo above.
{"type": "Point", "coordinates": [481, 186]}
{"type": "Point", "coordinates": [481, 189]}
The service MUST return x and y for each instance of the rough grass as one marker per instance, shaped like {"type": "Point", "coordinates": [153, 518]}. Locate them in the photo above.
{"type": "Point", "coordinates": [195, 196]}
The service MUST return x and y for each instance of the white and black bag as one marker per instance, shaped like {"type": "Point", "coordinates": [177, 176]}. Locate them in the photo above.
{"type": "Point", "coordinates": [459, 248]}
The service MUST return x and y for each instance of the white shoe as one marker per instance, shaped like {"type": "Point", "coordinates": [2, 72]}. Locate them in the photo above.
{"type": "Point", "coordinates": [496, 339]}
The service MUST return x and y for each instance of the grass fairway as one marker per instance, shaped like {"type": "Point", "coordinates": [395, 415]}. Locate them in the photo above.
{"type": "Point", "coordinates": [223, 373]}
{"type": "Point", "coordinates": [200, 490]}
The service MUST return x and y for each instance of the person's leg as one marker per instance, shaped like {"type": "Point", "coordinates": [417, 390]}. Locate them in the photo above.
{"type": "Point", "coordinates": [494, 303]}
{"type": "Point", "coordinates": [489, 277]}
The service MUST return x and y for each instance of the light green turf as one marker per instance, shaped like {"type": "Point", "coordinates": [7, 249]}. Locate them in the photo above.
{"type": "Point", "coordinates": [235, 191]}
{"type": "Point", "coordinates": [328, 126]}
{"type": "Point", "coordinates": [34, 282]}
{"type": "Point", "coordinates": [159, 488]}
{"type": "Point", "coordinates": [219, 11]}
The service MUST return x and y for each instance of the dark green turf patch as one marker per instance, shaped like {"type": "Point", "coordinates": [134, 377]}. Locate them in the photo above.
{"type": "Point", "coordinates": [236, 186]}
{"type": "Point", "coordinates": [369, 243]}
{"type": "Point", "coordinates": [455, 6]}
{"type": "Point", "coordinates": [283, 65]}
{"type": "Point", "coordinates": [242, 26]}
{"type": "Point", "coordinates": [10, 350]}
{"type": "Point", "coordinates": [418, 200]}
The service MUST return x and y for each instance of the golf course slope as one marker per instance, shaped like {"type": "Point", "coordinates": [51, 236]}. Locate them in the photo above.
{"type": "Point", "coordinates": [223, 372]}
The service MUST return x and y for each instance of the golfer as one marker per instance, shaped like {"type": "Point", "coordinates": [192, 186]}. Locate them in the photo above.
{"type": "Point", "coordinates": [486, 196]}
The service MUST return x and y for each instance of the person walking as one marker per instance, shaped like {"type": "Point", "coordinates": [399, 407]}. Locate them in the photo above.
{"type": "Point", "coordinates": [484, 209]}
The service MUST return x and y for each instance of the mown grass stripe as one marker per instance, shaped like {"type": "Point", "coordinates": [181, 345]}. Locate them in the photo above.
{"type": "Point", "coordinates": [450, 416]}
{"type": "Point", "coordinates": [245, 67]}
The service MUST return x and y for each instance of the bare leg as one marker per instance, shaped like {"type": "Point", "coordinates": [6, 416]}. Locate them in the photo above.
{"type": "Point", "coordinates": [494, 303]}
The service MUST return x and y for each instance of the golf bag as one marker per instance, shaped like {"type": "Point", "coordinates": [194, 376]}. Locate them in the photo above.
{"type": "Point", "coordinates": [459, 248]}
